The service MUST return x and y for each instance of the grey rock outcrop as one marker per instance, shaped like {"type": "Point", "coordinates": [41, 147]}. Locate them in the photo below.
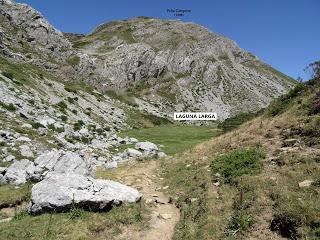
{"type": "Point", "coordinates": [35, 29]}
{"type": "Point", "coordinates": [148, 148]}
{"type": "Point", "coordinates": [25, 151]}
{"type": "Point", "coordinates": [181, 66]}
{"type": "Point", "coordinates": [19, 172]}
{"type": "Point", "coordinates": [131, 153]}
{"type": "Point", "coordinates": [60, 192]}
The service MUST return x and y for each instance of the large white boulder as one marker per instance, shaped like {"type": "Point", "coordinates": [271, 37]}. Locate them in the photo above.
{"type": "Point", "coordinates": [61, 192]}
{"type": "Point", "coordinates": [19, 172]}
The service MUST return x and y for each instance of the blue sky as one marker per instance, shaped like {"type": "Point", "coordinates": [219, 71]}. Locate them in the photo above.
{"type": "Point", "coordinates": [283, 33]}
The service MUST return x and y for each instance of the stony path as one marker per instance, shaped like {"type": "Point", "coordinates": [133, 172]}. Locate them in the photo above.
{"type": "Point", "coordinates": [164, 215]}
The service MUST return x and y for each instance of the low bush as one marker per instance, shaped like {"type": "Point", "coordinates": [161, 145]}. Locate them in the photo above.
{"type": "Point", "coordinates": [77, 125]}
{"type": "Point", "coordinates": [239, 221]}
{"type": "Point", "coordinates": [64, 118]}
{"type": "Point", "coordinates": [10, 107]}
{"type": "Point", "coordinates": [8, 75]}
{"type": "Point", "coordinates": [70, 89]}
{"type": "Point", "coordinates": [37, 125]}
{"type": "Point", "coordinates": [237, 163]}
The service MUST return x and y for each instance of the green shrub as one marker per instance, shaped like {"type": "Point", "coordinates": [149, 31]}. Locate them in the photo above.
{"type": "Point", "coordinates": [20, 215]}
{"type": "Point", "coordinates": [239, 221]}
{"type": "Point", "coordinates": [37, 125]}
{"type": "Point", "coordinates": [70, 100]}
{"type": "Point", "coordinates": [8, 75]}
{"type": "Point", "coordinates": [315, 105]}
{"type": "Point", "coordinates": [74, 111]}
{"type": "Point", "coordinates": [281, 104]}
{"type": "Point", "coordinates": [237, 163]}
{"type": "Point", "coordinates": [77, 125]}
{"type": "Point", "coordinates": [62, 105]}
{"type": "Point", "coordinates": [10, 107]}
{"type": "Point", "coordinates": [76, 213]}
{"type": "Point", "coordinates": [64, 118]}
{"type": "Point", "coordinates": [70, 89]}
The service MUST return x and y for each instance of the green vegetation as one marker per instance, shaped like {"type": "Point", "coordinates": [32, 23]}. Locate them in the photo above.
{"type": "Point", "coordinates": [79, 44]}
{"type": "Point", "coordinates": [174, 138]}
{"type": "Point", "coordinates": [69, 89]}
{"type": "Point", "coordinates": [190, 186]}
{"type": "Point", "coordinates": [73, 61]}
{"type": "Point", "coordinates": [282, 104]}
{"type": "Point", "coordinates": [8, 75]}
{"type": "Point", "coordinates": [64, 118]}
{"type": "Point", "coordinates": [10, 107]}
{"type": "Point", "coordinates": [75, 225]}
{"type": "Point", "coordinates": [123, 97]}
{"type": "Point", "coordinates": [21, 74]}
{"type": "Point", "coordinates": [62, 106]}
{"type": "Point", "coordinates": [237, 163]}
{"type": "Point", "coordinates": [234, 122]}
{"type": "Point", "coordinates": [36, 125]}
{"type": "Point", "coordinates": [11, 196]}
{"type": "Point", "coordinates": [78, 125]}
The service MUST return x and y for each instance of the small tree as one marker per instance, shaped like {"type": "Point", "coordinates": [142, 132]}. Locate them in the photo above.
{"type": "Point", "coordinates": [314, 68]}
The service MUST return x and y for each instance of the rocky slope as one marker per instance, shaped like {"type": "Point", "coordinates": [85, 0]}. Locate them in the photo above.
{"type": "Point", "coordinates": [178, 66]}
{"type": "Point", "coordinates": [143, 69]}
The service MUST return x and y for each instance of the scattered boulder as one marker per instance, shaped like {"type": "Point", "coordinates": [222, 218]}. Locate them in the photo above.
{"type": "Point", "coordinates": [161, 155]}
{"type": "Point", "coordinates": [47, 121]}
{"type": "Point", "coordinates": [26, 125]}
{"type": "Point", "coordinates": [133, 140]}
{"type": "Point", "coordinates": [148, 148]}
{"type": "Point", "coordinates": [110, 165]}
{"type": "Point", "coordinates": [9, 158]}
{"type": "Point", "coordinates": [25, 151]}
{"type": "Point", "coordinates": [305, 183]}
{"type": "Point", "coordinates": [23, 139]}
{"type": "Point", "coordinates": [42, 131]}
{"type": "Point", "coordinates": [49, 159]}
{"type": "Point", "coordinates": [71, 162]}
{"type": "Point", "coordinates": [19, 172]}
{"type": "Point", "coordinates": [131, 153]}
{"type": "Point", "coordinates": [84, 132]}
{"type": "Point", "coordinates": [61, 192]}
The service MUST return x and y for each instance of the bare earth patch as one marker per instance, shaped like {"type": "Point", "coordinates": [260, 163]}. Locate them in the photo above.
{"type": "Point", "coordinates": [145, 176]}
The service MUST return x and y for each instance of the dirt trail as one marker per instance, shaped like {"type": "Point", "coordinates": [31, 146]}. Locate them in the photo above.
{"type": "Point", "coordinates": [144, 176]}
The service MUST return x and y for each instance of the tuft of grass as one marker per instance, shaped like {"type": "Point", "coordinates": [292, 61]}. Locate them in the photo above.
{"type": "Point", "coordinates": [237, 163]}
{"type": "Point", "coordinates": [11, 196]}
{"type": "Point", "coordinates": [239, 221]}
{"type": "Point", "coordinates": [60, 226]}
{"type": "Point", "coordinates": [36, 125]}
{"type": "Point", "coordinates": [70, 89]}
{"type": "Point", "coordinates": [73, 61]}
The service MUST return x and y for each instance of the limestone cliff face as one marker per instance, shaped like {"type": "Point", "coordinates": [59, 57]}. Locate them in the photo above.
{"type": "Point", "coordinates": [181, 66]}
{"type": "Point", "coordinates": [167, 65]}
{"type": "Point", "coordinates": [23, 25]}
